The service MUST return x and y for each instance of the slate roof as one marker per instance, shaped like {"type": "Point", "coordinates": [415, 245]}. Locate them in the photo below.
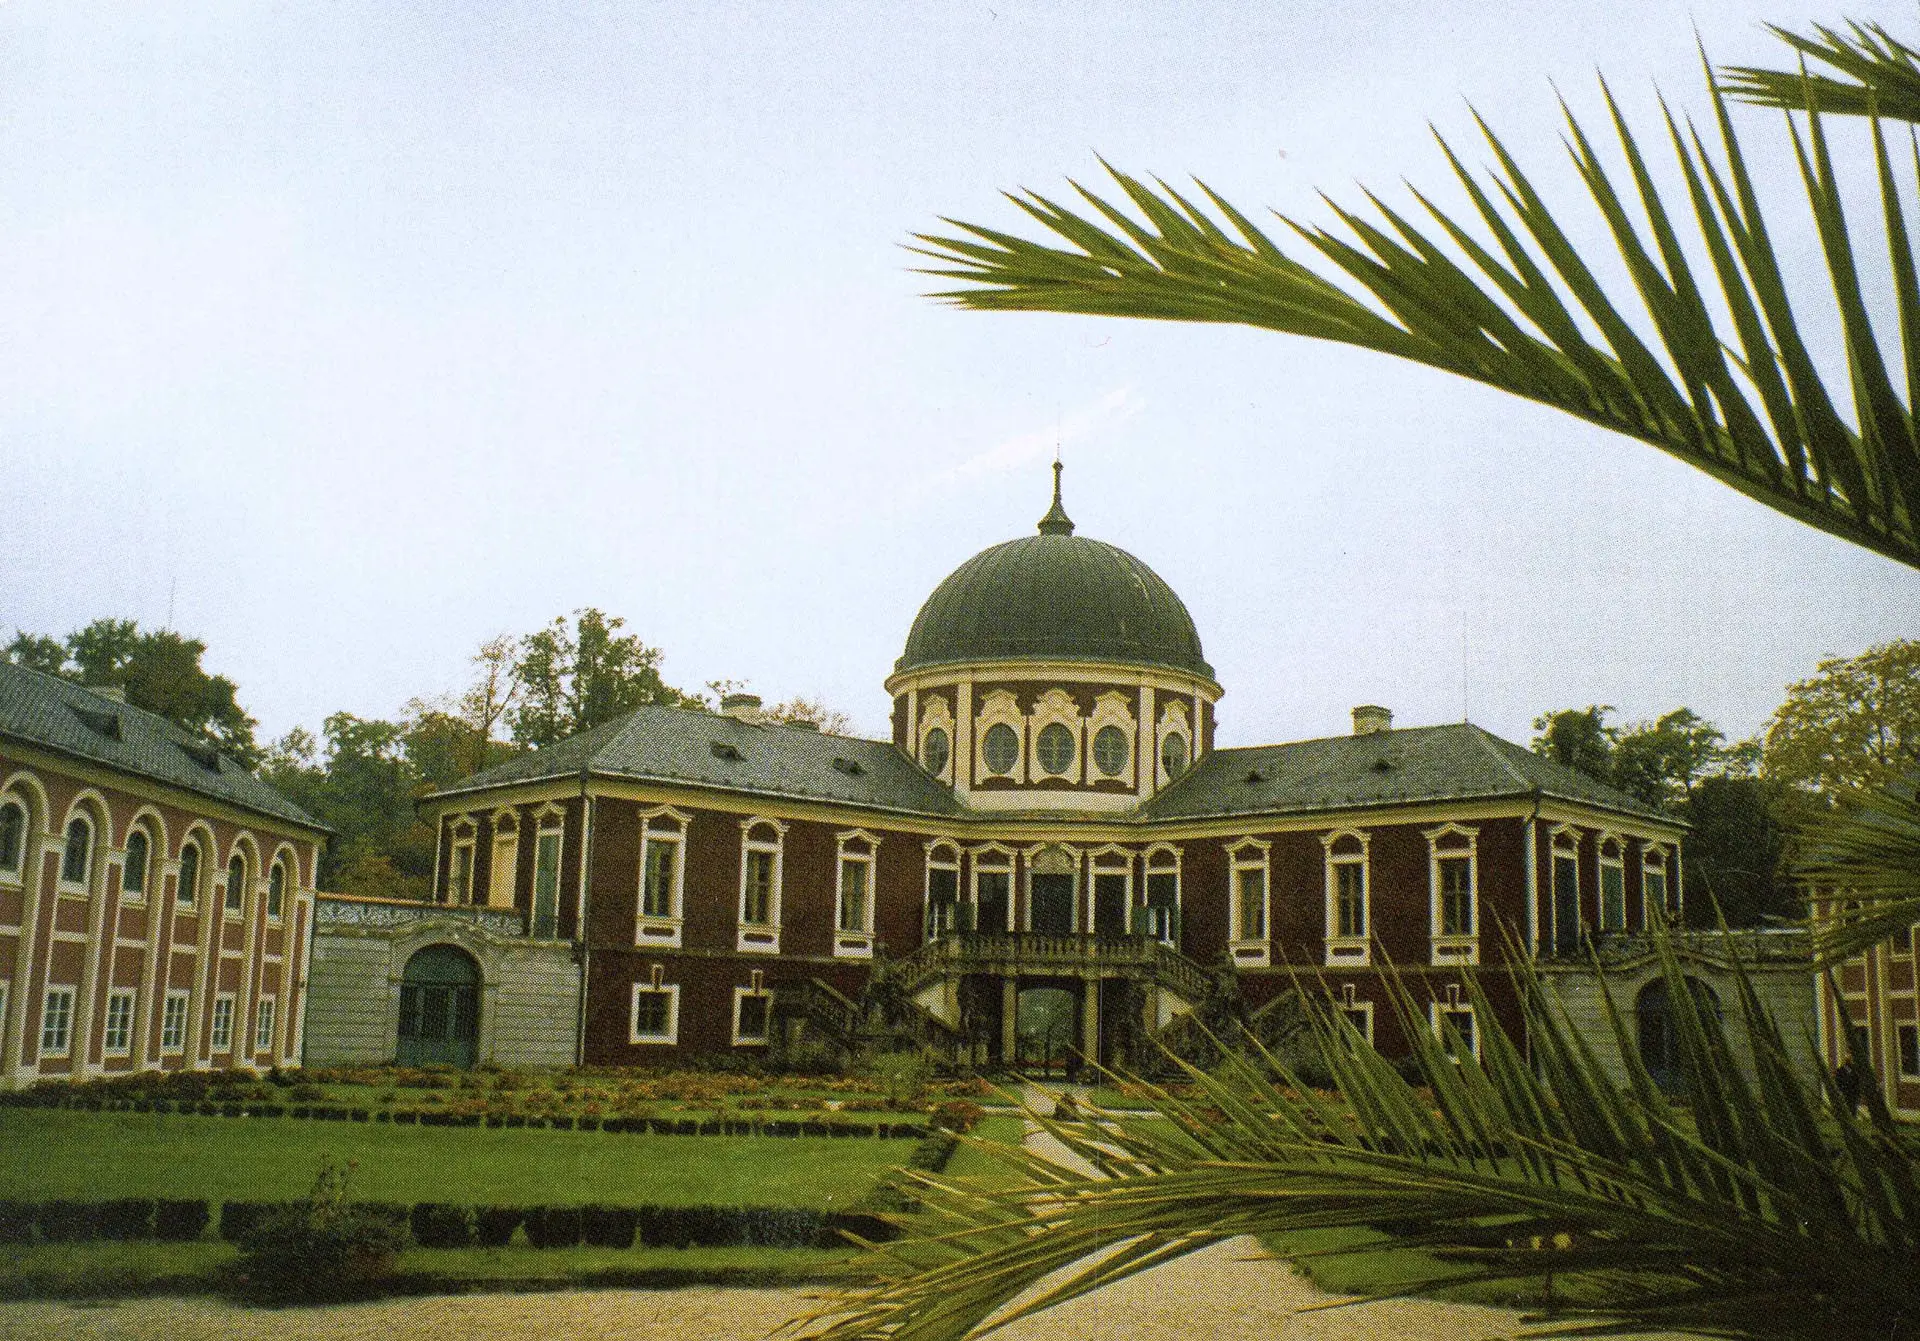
{"type": "Point", "coordinates": [704, 749]}
{"type": "Point", "coordinates": [69, 719]}
{"type": "Point", "coordinates": [1431, 763]}
{"type": "Point", "coordinates": [1435, 763]}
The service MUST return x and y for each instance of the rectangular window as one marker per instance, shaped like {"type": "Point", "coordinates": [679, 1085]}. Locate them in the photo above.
{"type": "Point", "coordinates": [1456, 896]}
{"type": "Point", "coordinates": [943, 900]}
{"type": "Point", "coordinates": [173, 1023]}
{"type": "Point", "coordinates": [992, 900]}
{"type": "Point", "coordinates": [1360, 1016]}
{"type": "Point", "coordinates": [263, 1026]}
{"type": "Point", "coordinates": [546, 885]}
{"type": "Point", "coordinates": [656, 1013]}
{"type": "Point", "coordinates": [1909, 1044]}
{"type": "Point", "coordinates": [752, 1014]}
{"type": "Point", "coordinates": [1163, 905]}
{"type": "Point", "coordinates": [1613, 896]}
{"type": "Point", "coordinates": [189, 877]}
{"type": "Point", "coordinates": [1454, 1027]}
{"type": "Point", "coordinates": [1566, 902]}
{"type": "Point", "coordinates": [1350, 900]}
{"type": "Point", "coordinates": [660, 892]}
{"type": "Point", "coordinates": [855, 907]}
{"type": "Point", "coordinates": [756, 893]}
{"type": "Point", "coordinates": [56, 1022]}
{"type": "Point", "coordinates": [460, 874]}
{"type": "Point", "coordinates": [1252, 924]}
{"type": "Point", "coordinates": [506, 865]}
{"type": "Point", "coordinates": [1654, 886]}
{"type": "Point", "coordinates": [222, 1034]}
{"type": "Point", "coordinates": [118, 1035]}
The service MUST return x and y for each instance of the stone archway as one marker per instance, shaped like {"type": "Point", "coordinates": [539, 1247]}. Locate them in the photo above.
{"type": "Point", "coordinates": [439, 1008]}
{"type": "Point", "coordinates": [1659, 1036]}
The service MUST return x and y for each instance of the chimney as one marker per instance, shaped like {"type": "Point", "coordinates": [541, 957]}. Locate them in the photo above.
{"type": "Point", "coordinates": [112, 692]}
{"type": "Point", "coordinates": [1371, 719]}
{"type": "Point", "coordinates": [741, 707]}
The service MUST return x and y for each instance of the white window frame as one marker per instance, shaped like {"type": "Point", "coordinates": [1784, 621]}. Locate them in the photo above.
{"type": "Point", "coordinates": [1347, 1006]}
{"type": "Point", "coordinates": [1617, 864]}
{"type": "Point", "coordinates": [186, 893]}
{"type": "Point", "coordinates": [123, 999]}
{"type": "Point", "coordinates": [943, 854]}
{"type": "Point", "coordinates": [740, 994]}
{"type": "Point", "coordinates": [84, 884]}
{"type": "Point", "coordinates": [503, 858]}
{"type": "Point", "coordinates": [1163, 859]}
{"type": "Point", "coordinates": [1437, 1013]}
{"type": "Point", "coordinates": [760, 938]}
{"type": "Point", "coordinates": [1112, 709]}
{"type": "Point", "coordinates": [1173, 718]}
{"type": "Point", "coordinates": [462, 852]}
{"type": "Point", "coordinates": [17, 873]}
{"type": "Point", "coordinates": [551, 822]}
{"type": "Point", "coordinates": [1900, 1049]}
{"type": "Point", "coordinates": [1461, 843]}
{"type": "Point", "coordinates": [137, 897]}
{"type": "Point", "coordinates": [937, 716]}
{"type": "Point", "coordinates": [1564, 844]}
{"type": "Point", "coordinates": [993, 855]}
{"type": "Point", "coordinates": [654, 930]}
{"type": "Point", "coordinates": [265, 1016]}
{"type": "Point", "coordinates": [671, 990]}
{"type": "Point", "coordinates": [1348, 951]}
{"type": "Point", "coordinates": [1000, 708]}
{"type": "Point", "coordinates": [220, 1035]}
{"type": "Point", "coordinates": [177, 1003]}
{"type": "Point", "coordinates": [1109, 861]}
{"type": "Point", "coordinates": [278, 869]}
{"type": "Point", "coordinates": [1057, 707]}
{"type": "Point", "coordinates": [1249, 854]}
{"type": "Point", "coordinates": [60, 1044]}
{"type": "Point", "coordinates": [855, 943]}
{"type": "Point", "coordinates": [1654, 865]}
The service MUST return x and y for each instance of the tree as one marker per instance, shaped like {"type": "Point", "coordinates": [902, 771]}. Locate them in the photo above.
{"type": "Point", "coordinates": [801, 709]}
{"type": "Point", "coordinates": [1578, 738]}
{"type": "Point", "coordinates": [159, 671]}
{"type": "Point", "coordinates": [1755, 1213]}
{"type": "Point", "coordinates": [1731, 867]}
{"type": "Point", "coordinates": [362, 784]}
{"type": "Point", "coordinates": [1660, 762]}
{"type": "Point", "coordinates": [1852, 726]}
{"type": "Point", "coordinates": [575, 678]}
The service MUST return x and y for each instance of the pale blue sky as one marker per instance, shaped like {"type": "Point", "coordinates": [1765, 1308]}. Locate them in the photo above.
{"type": "Point", "coordinates": [379, 329]}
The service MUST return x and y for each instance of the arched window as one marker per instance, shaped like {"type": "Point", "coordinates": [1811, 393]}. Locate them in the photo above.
{"type": "Point", "coordinates": [276, 889]}
{"type": "Point", "coordinates": [76, 863]}
{"type": "Point", "coordinates": [133, 872]}
{"type": "Point", "coordinates": [13, 839]}
{"type": "Point", "coordinates": [189, 875]}
{"type": "Point", "coordinates": [236, 885]}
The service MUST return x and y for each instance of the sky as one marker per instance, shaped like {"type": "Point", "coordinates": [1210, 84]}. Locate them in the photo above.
{"type": "Point", "coordinates": [346, 337]}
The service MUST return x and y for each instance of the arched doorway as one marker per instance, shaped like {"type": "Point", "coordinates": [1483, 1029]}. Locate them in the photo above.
{"type": "Point", "coordinates": [439, 1008]}
{"type": "Point", "coordinates": [1659, 1036]}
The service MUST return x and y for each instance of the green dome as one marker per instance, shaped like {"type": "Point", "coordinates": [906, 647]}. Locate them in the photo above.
{"type": "Point", "coordinates": [1054, 597]}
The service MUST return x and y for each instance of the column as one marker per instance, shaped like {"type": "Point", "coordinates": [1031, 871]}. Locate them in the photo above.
{"type": "Point", "coordinates": [1090, 1022]}
{"type": "Point", "coordinates": [1009, 1019]}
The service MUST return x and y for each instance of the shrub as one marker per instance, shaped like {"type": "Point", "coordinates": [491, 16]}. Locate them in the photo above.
{"type": "Point", "coordinates": [437, 1225]}
{"type": "Point", "coordinates": [961, 1115]}
{"type": "Point", "coordinates": [16, 1221]}
{"type": "Point", "coordinates": [69, 1221]}
{"type": "Point", "coordinates": [127, 1218]}
{"type": "Point", "coordinates": [239, 1218]}
{"type": "Point", "coordinates": [493, 1226]}
{"type": "Point", "coordinates": [553, 1226]}
{"type": "Point", "coordinates": [608, 1226]}
{"type": "Point", "coordinates": [904, 1075]}
{"type": "Point", "coordinates": [307, 1094]}
{"type": "Point", "coordinates": [325, 1247]}
{"type": "Point", "coordinates": [180, 1221]}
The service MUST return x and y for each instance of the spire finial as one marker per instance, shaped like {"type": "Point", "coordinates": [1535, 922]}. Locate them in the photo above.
{"type": "Point", "coordinates": [1056, 522]}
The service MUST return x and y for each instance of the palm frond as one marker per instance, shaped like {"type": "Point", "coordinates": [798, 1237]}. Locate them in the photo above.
{"type": "Point", "coordinates": [1861, 862]}
{"type": "Point", "coordinates": [1708, 365]}
{"type": "Point", "coordinates": [1880, 75]}
{"type": "Point", "coordinates": [1749, 1210]}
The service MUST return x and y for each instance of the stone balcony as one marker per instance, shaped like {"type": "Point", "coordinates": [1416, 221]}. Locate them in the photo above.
{"type": "Point", "coordinates": [371, 914]}
{"type": "Point", "coordinates": [1065, 955]}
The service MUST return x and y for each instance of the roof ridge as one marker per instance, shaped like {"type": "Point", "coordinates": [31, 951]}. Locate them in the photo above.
{"type": "Point", "coordinates": [1484, 739]}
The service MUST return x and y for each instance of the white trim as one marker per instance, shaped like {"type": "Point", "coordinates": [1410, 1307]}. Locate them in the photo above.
{"type": "Point", "coordinates": [662, 930]}
{"type": "Point", "coordinates": [1569, 834]}
{"type": "Point", "coordinates": [1436, 1010]}
{"type": "Point", "coordinates": [1163, 859]}
{"type": "Point", "coordinates": [996, 852]}
{"type": "Point", "coordinates": [760, 938]}
{"type": "Point", "coordinates": [936, 715]}
{"type": "Point", "coordinates": [1464, 845]}
{"type": "Point", "coordinates": [1173, 719]}
{"type": "Point", "coordinates": [1653, 862]}
{"type": "Point", "coordinates": [118, 996]}
{"type": "Point", "coordinates": [220, 1040]}
{"type": "Point", "coordinates": [62, 1046]}
{"type": "Point", "coordinates": [1056, 707]}
{"type": "Point", "coordinates": [672, 993]}
{"type": "Point", "coordinates": [999, 708]}
{"type": "Point", "coordinates": [1245, 856]}
{"type": "Point", "coordinates": [937, 861]}
{"type": "Point", "coordinates": [178, 1045]}
{"type": "Point", "coordinates": [1111, 710]}
{"type": "Point", "coordinates": [1617, 863]}
{"type": "Point", "coordinates": [1119, 862]}
{"type": "Point", "coordinates": [855, 942]}
{"type": "Point", "coordinates": [266, 1015]}
{"type": "Point", "coordinates": [15, 875]}
{"type": "Point", "coordinates": [1347, 950]}
{"type": "Point", "coordinates": [740, 994]}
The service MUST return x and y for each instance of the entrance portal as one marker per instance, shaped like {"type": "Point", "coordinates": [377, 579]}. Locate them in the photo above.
{"type": "Point", "coordinates": [439, 1008]}
{"type": "Point", "coordinates": [1659, 1034]}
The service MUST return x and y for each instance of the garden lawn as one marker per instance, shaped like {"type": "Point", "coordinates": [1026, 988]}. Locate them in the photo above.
{"type": "Point", "coordinates": [58, 1153]}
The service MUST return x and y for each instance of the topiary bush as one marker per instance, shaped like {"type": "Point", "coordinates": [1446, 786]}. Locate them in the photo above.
{"type": "Point", "coordinates": [438, 1225]}
{"type": "Point", "coordinates": [69, 1221]}
{"type": "Point", "coordinates": [325, 1247]}
{"type": "Point", "coordinates": [553, 1226]}
{"type": "Point", "coordinates": [493, 1226]}
{"type": "Point", "coordinates": [16, 1221]}
{"type": "Point", "coordinates": [180, 1221]}
{"type": "Point", "coordinates": [608, 1226]}
{"type": "Point", "coordinates": [126, 1218]}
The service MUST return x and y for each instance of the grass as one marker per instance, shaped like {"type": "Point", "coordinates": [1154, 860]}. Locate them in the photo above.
{"type": "Point", "coordinates": [1395, 1269]}
{"type": "Point", "coordinates": [59, 1153]}
{"type": "Point", "coordinates": [968, 1162]}
{"type": "Point", "coordinates": [107, 1270]}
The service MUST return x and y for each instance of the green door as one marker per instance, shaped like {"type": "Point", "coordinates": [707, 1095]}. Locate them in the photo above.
{"type": "Point", "coordinates": [439, 1008]}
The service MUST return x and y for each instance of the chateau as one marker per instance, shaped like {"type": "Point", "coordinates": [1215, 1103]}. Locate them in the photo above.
{"type": "Point", "coordinates": [1051, 856]}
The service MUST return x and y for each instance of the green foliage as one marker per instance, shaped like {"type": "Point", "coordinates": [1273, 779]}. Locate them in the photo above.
{"type": "Point", "coordinates": [1867, 847]}
{"type": "Point", "coordinates": [362, 783]}
{"type": "Point", "coordinates": [1579, 739]}
{"type": "Point", "coordinates": [1852, 726]}
{"type": "Point", "coordinates": [1732, 853]}
{"type": "Point", "coordinates": [159, 670]}
{"type": "Point", "coordinates": [326, 1246]}
{"type": "Point", "coordinates": [906, 1076]}
{"type": "Point", "coordinates": [1753, 1211]}
{"type": "Point", "coordinates": [575, 678]}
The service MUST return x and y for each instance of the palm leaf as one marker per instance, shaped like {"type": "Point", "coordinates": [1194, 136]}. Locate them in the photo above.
{"type": "Point", "coordinates": [1861, 860]}
{"type": "Point", "coordinates": [1709, 366]}
{"type": "Point", "coordinates": [1750, 1211]}
{"type": "Point", "coordinates": [1881, 75]}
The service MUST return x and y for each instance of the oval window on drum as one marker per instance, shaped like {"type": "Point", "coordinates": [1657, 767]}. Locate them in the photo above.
{"type": "Point", "coordinates": [1055, 748]}
{"type": "Point", "coordinates": [1173, 754]}
{"type": "Point", "coordinates": [934, 751]}
{"type": "Point", "coordinates": [1110, 751]}
{"type": "Point", "coordinates": [1000, 748]}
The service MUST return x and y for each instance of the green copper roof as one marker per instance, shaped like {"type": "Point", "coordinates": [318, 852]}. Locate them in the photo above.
{"type": "Point", "coordinates": [1054, 596]}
